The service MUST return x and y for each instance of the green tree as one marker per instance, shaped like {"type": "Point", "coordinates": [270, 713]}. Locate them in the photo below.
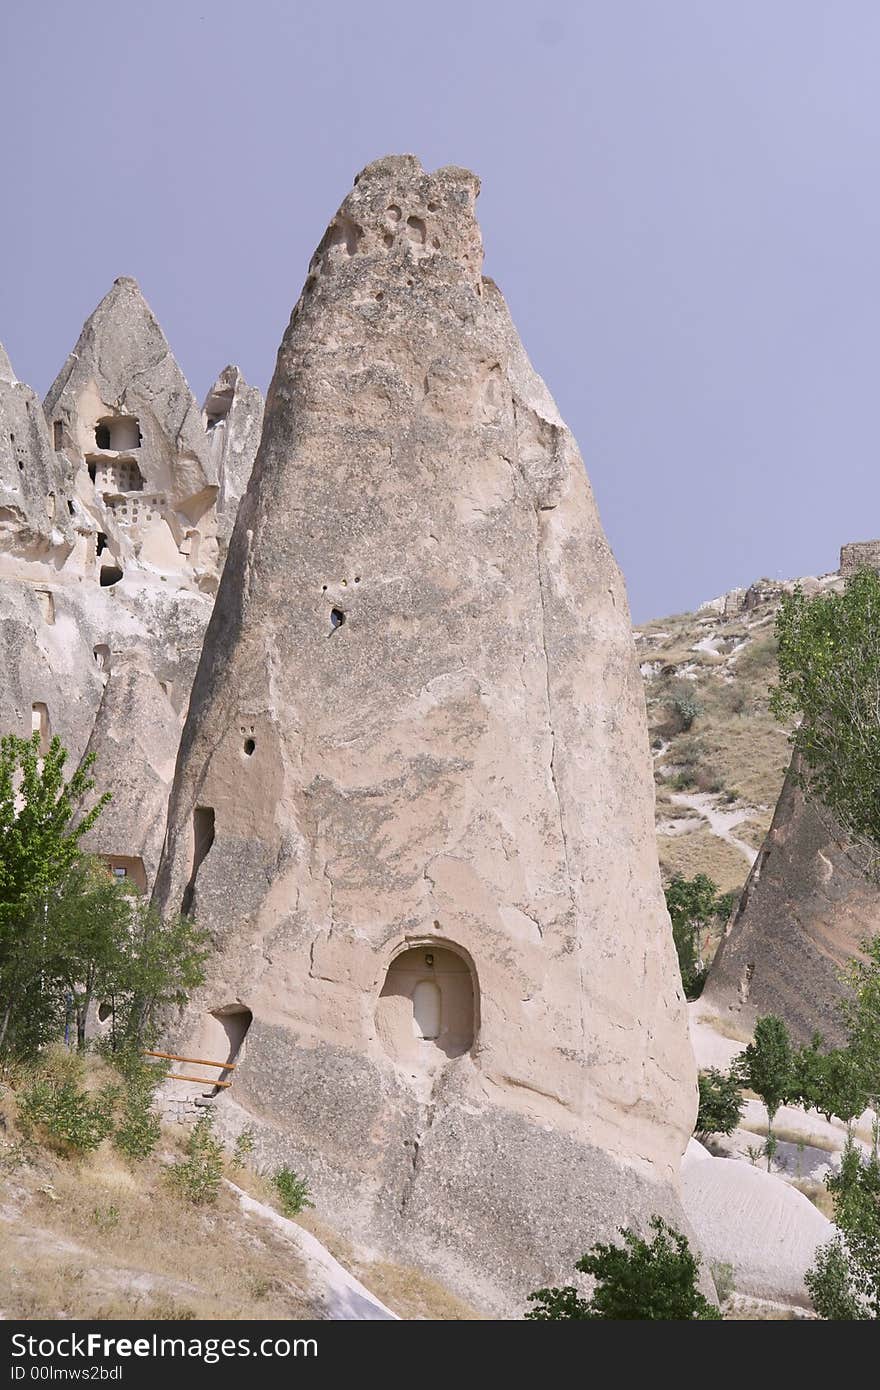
{"type": "Point", "coordinates": [655, 1280]}
{"type": "Point", "coordinates": [692, 903]}
{"type": "Point", "coordinates": [160, 963]}
{"type": "Point", "coordinates": [69, 932]}
{"type": "Point", "coordinates": [767, 1066]}
{"type": "Point", "coordinates": [721, 1103]}
{"type": "Point", "coordinates": [861, 1013]}
{"type": "Point", "coordinates": [831, 1082]}
{"type": "Point", "coordinates": [844, 1282]}
{"type": "Point", "coordinates": [88, 920]}
{"type": "Point", "coordinates": [829, 680]}
{"type": "Point", "coordinates": [39, 843]}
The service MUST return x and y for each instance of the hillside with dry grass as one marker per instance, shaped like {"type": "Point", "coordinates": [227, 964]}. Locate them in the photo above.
{"type": "Point", "coordinates": [719, 755]}
{"type": "Point", "coordinates": [98, 1235]}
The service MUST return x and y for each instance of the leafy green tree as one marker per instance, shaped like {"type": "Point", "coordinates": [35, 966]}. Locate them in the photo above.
{"type": "Point", "coordinates": [767, 1066]}
{"type": "Point", "coordinates": [655, 1280]}
{"type": "Point", "coordinates": [160, 963]}
{"type": "Point", "coordinates": [88, 919]}
{"type": "Point", "coordinates": [861, 1013]}
{"type": "Point", "coordinates": [721, 1103]}
{"type": "Point", "coordinates": [69, 932]}
{"type": "Point", "coordinates": [829, 680]}
{"type": "Point", "coordinates": [844, 1282]}
{"type": "Point", "coordinates": [692, 903]}
{"type": "Point", "coordinates": [831, 1082]}
{"type": "Point", "coordinates": [40, 830]}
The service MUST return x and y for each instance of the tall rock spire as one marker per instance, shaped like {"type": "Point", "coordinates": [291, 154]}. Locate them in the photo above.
{"type": "Point", "coordinates": [413, 801]}
{"type": "Point", "coordinates": [806, 908]}
{"type": "Point", "coordinates": [34, 522]}
{"type": "Point", "coordinates": [143, 465]}
{"type": "Point", "coordinates": [114, 519]}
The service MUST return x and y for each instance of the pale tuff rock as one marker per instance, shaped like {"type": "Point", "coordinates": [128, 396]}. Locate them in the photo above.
{"type": "Point", "coordinates": [761, 1227]}
{"type": "Point", "coordinates": [232, 416]}
{"type": "Point", "coordinates": [114, 514]}
{"type": "Point", "coordinates": [134, 739]}
{"type": "Point", "coordinates": [34, 522]}
{"type": "Point", "coordinates": [142, 466]}
{"type": "Point", "coordinates": [413, 800]}
{"type": "Point", "coordinates": [805, 907]}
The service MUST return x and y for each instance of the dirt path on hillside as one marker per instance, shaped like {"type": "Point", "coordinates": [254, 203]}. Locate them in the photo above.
{"type": "Point", "coordinates": [720, 822]}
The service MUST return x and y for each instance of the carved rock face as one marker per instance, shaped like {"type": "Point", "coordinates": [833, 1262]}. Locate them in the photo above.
{"type": "Point", "coordinates": [805, 909]}
{"type": "Point", "coordinates": [419, 730]}
{"type": "Point", "coordinates": [110, 546]}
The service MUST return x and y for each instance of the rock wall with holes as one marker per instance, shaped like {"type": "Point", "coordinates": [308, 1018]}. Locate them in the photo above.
{"type": "Point", "coordinates": [154, 481]}
{"type": "Point", "coordinates": [116, 502]}
{"type": "Point", "coordinates": [413, 802]}
{"type": "Point", "coordinates": [805, 908]}
{"type": "Point", "coordinates": [858, 555]}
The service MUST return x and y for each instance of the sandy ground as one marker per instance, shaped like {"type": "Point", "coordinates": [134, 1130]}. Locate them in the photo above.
{"type": "Point", "coordinates": [720, 822]}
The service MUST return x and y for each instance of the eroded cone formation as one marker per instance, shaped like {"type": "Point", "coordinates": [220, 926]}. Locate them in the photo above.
{"type": "Point", "coordinates": [117, 497]}
{"type": "Point", "coordinates": [413, 800]}
{"type": "Point", "coordinates": [807, 906]}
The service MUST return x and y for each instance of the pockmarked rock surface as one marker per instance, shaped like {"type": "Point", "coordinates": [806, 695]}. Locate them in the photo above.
{"type": "Point", "coordinates": [804, 910]}
{"type": "Point", "coordinates": [754, 1222]}
{"type": "Point", "coordinates": [116, 503]}
{"type": "Point", "coordinates": [413, 801]}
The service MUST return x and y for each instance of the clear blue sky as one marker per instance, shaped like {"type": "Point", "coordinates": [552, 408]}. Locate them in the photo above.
{"type": "Point", "coordinates": [681, 203]}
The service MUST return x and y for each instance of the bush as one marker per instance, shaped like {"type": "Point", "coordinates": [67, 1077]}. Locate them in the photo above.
{"type": "Point", "coordinates": [293, 1192]}
{"type": "Point", "coordinates": [69, 1117]}
{"type": "Point", "coordinates": [138, 1129]}
{"type": "Point", "coordinates": [688, 708]}
{"type": "Point", "coordinates": [844, 1282]}
{"type": "Point", "coordinates": [105, 1218]}
{"type": "Point", "coordinates": [637, 1280]}
{"type": "Point", "coordinates": [197, 1177]}
{"type": "Point", "coordinates": [734, 698]}
{"type": "Point", "coordinates": [243, 1147]}
{"type": "Point", "coordinates": [721, 1103]}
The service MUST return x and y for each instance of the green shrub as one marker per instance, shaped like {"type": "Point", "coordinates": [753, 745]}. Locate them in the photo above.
{"type": "Point", "coordinates": [197, 1177]}
{"type": "Point", "coordinates": [293, 1192]}
{"type": "Point", "coordinates": [721, 1103]}
{"type": "Point", "coordinates": [70, 1119]}
{"type": "Point", "coordinates": [105, 1218]}
{"type": "Point", "coordinates": [243, 1147]}
{"type": "Point", "coordinates": [636, 1280]}
{"type": "Point", "coordinates": [688, 708]}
